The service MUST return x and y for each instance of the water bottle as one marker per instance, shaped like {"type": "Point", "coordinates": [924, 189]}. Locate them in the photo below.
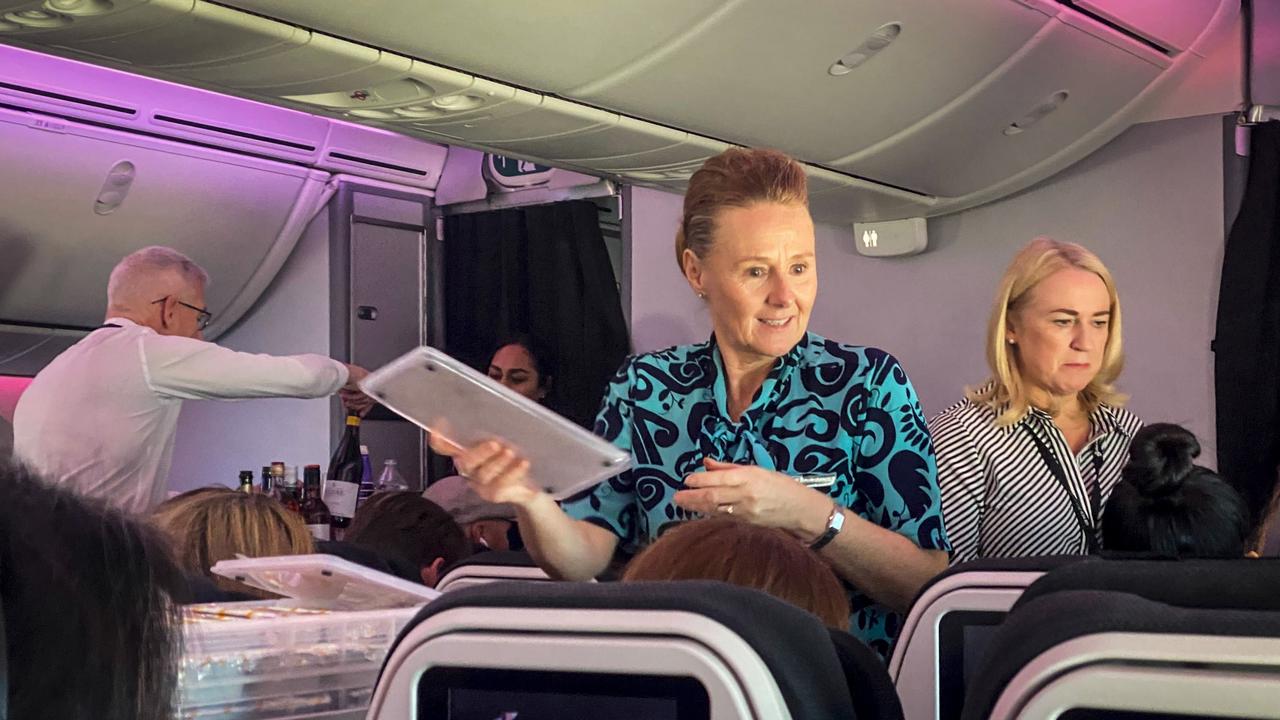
{"type": "Point", "coordinates": [390, 480]}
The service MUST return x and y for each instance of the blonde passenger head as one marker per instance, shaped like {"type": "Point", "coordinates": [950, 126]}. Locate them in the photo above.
{"type": "Point", "coordinates": [216, 523]}
{"type": "Point", "coordinates": [752, 556]}
{"type": "Point", "coordinates": [736, 178]}
{"type": "Point", "coordinates": [1007, 391]}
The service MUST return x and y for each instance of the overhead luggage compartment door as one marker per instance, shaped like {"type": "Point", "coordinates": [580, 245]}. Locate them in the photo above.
{"type": "Point", "coordinates": [77, 198]}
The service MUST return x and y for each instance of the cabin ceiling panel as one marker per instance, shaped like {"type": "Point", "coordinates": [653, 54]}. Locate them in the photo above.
{"type": "Point", "coordinates": [1075, 78]}
{"type": "Point", "coordinates": [550, 45]}
{"type": "Point", "coordinates": [224, 210]}
{"type": "Point", "coordinates": [759, 75]}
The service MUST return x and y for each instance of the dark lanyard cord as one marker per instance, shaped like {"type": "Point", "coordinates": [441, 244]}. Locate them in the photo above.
{"type": "Point", "coordinates": [1087, 526]}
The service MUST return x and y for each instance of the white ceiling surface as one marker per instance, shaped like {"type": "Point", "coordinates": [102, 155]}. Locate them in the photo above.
{"type": "Point", "coordinates": [679, 79]}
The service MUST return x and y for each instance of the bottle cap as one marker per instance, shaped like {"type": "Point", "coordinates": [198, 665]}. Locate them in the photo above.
{"type": "Point", "coordinates": [364, 449]}
{"type": "Point", "coordinates": [353, 419]}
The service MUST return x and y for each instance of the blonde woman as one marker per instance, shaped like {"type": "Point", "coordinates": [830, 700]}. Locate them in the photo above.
{"type": "Point", "coordinates": [216, 523]}
{"type": "Point", "coordinates": [1027, 461]}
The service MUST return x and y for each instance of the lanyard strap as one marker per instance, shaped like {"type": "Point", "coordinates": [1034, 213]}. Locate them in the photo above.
{"type": "Point", "coordinates": [1059, 473]}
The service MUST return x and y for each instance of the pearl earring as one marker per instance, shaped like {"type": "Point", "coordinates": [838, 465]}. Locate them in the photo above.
{"type": "Point", "coordinates": [702, 296]}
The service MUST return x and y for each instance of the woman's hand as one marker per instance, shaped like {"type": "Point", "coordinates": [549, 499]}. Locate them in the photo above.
{"type": "Point", "coordinates": [496, 472]}
{"type": "Point", "coordinates": [759, 496]}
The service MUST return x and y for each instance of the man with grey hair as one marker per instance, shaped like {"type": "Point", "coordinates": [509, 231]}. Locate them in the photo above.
{"type": "Point", "coordinates": [101, 418]}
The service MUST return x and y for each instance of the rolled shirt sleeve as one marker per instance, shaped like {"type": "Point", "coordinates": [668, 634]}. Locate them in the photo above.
{"type": "Point", "coordinates": [190, 369]}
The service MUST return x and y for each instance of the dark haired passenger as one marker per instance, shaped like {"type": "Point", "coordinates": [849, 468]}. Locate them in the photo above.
{"type": "Point", "coordinates": [415, 535]}
{"type": "Point", "coordinates": [739, 553]}
{"type": "Point", "coordinates": [764, 420]}
{"type": "Point", "coordinates": [524, 366]}
{"type": "Point", "coordinates": [90, 622]}
{"type": "Point", "coordinates": [1168, 505]}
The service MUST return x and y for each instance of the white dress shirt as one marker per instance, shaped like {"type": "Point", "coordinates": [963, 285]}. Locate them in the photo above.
{"type": "Point", "coordinates": [101, 418]}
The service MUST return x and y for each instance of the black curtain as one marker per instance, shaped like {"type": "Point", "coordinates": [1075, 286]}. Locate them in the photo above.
{"type": "Point", "coordinates": [1247, 347]}
{"type": "Point", "coordinates": [541, 270]}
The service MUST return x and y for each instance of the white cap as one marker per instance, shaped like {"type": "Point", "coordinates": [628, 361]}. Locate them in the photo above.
{"type": "Point", "coordinates": [364, 449]}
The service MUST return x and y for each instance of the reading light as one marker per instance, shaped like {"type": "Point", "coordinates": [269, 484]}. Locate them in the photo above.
{"type": "Point", "coordinates": [80, 7]}
{"type": "Point", "coordinates": [882, 38]}
{"type": "Point", "coordinates": [1037, 113]}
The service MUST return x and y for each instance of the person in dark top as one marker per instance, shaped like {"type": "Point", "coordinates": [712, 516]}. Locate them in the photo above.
{"type": "Point", "coordinates": [89, 607]}
{"type": "Point", "coordinates": [1168, 505]}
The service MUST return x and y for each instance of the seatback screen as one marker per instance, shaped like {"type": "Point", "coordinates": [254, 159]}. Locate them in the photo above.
{"type": "Point", "coordinates": [456, 693]}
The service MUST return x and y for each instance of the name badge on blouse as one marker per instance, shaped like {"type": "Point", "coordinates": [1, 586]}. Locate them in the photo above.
{"type": "Point", "coordinates": [817, 482]}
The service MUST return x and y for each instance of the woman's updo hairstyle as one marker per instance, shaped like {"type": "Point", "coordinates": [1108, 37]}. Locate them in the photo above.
{"type": "Point", "coordinates": [736, 178]}
{"type": "Point", "coordinates": [1168, 505]}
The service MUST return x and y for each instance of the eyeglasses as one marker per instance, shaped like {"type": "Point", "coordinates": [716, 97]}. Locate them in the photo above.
{"type": "Point", "coordinates": [202, 320]}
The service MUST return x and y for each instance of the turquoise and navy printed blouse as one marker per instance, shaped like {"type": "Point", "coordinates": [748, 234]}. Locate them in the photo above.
{"type": "Point", "coordinates": [839, 418]}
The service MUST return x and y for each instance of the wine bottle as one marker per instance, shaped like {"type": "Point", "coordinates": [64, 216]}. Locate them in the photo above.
{"type": "Point", "coordinates": [314, 511]}
{"type": "Point", "coordinates": [342, 483]}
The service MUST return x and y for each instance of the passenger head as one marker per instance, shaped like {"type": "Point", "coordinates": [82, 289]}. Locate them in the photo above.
{"type": "Point", "coordinates": [1054, 332]}
{"type": "Point", "coordinates": [161, 288]}
{"type": "Point", "coordinates": [217, 523]}
{"type": "Point", "coordinates": [486, 524]}
{"type": "Point", "coordinates": [524, 366]}
{"type": "Point", "coordinates": [746, 246]}
{"type": "Point", "coordinates": [1166, 504]}
{"type": "Point", "coordinates": [406, 527]}
{"type": "Point", "coordinates": [752, 556]}
{"type": "Point", "coordinates": [91, 629]}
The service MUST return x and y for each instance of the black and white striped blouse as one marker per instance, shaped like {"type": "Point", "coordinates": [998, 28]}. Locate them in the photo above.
{"type": "Point", "coordinates": [1000, 497]}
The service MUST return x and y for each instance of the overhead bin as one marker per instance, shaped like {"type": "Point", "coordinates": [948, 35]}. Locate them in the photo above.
{"type": "Point", "coordinates": [1061, 85]}
{"type": "Point", "coordinates": [925, 107]}
{"type": "Point", "coordinates": [225, 210]}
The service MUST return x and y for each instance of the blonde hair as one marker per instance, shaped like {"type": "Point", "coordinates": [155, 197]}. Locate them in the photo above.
{"type": "Point", "coordinates": [1005, 392]}
{"type": "Point", "coordinates": [752, 556]}
{"type": "Point", "coordinates": [216, 523]}
{"type": "Point", "coordinates": [736, 178]}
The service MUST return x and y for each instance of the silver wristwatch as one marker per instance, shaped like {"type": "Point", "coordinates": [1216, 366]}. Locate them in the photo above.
{"type": "Point", "coordinates": [835, 523]}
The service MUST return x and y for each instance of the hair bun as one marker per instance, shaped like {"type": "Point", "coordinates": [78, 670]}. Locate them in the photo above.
{"type": "Point", "coordinates": [1161, 457]}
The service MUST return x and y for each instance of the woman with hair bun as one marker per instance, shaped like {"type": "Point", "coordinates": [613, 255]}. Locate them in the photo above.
{"type": "Point", "coordinates": [764, 421]}
{"type": "Point", "coordinates": [1167, 504]}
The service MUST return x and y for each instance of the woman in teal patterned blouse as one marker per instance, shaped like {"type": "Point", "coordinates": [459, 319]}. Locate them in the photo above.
{"type": "Point", "coordinates": [765, 421]}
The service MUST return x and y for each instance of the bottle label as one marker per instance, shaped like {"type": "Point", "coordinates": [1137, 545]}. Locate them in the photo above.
{"type": "Point", "coordinates": [319, 532]}
{"type": "Point", "coordinates": [341, 497]}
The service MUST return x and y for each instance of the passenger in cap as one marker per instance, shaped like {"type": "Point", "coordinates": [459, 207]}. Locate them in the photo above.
{"type": "Point", "coordinates": [488, 525]}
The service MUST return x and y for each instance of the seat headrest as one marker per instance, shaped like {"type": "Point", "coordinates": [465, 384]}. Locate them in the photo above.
{"type": "Point", "coordinates": [1050, 620]}
{"type": "Point", "coordinates": [1043, 563]}
{"type": "Point", "coordinates": [495, 558]}
{"type": "Point", "coordinates": [794, 645]}
{"type": "Point", "coordinates": [1235, 583]}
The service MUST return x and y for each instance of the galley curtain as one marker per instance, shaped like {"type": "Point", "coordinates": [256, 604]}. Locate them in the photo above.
{"type": "Point", "coordinates": [542, 270]}
{"type": "Point", "coordinates": [1247, 347]}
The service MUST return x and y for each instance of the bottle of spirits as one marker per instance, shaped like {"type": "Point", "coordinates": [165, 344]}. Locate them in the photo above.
{"type": "Point", "coordinates": [267, 489]}
{"type": "Point", "coordinates": [342, 482]}
{"type": "Point", "coordinates": [246, 481]}
{"type": "Point", "coordinates": [390, 480]}
{"type": "Point", "coordinates": [284, 483]}
{"type": "Point", "coordinates": [314, 511]}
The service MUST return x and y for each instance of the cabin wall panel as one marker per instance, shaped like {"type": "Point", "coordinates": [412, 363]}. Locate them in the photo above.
{"type": "Point", "coordinates": [1150, 204]}
{"type": "Point", "coordinates": [218, 439]}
